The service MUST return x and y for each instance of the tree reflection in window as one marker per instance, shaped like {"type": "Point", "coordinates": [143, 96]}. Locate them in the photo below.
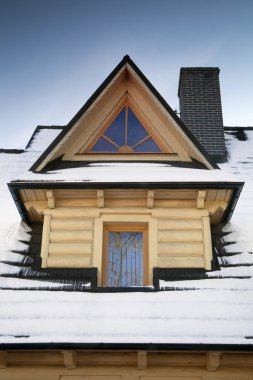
{"type": "Point", "coordinates": [125, 134]}
{"type": "Point", "coordinates": [125, 258]}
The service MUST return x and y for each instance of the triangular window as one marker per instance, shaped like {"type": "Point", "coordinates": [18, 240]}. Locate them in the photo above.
{"type": "Point", "coordinates": [125, 134]}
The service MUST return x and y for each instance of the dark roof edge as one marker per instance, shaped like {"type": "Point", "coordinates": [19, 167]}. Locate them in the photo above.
{"type": "Point", "coordinates": [38, 128]}
{"type": "Point", "coordinates": [11, 151]}
{"type": "Point", "coordinates": [126, 59]}
{"type": "Point", "coordinates": [231, 128]}
{"type": "Point", "coordinates": [14, 188]}
{"type": "Point", "coordinates": [128, 346]}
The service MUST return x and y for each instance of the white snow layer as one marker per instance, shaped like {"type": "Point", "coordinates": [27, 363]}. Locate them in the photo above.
{"type": "Point", "coordinates": [217, 310]}
{"type": "Point", "coordinates": [129, 172]}
{"type": "Point", "coordinates": [167, 317]}
{"type": "Point", "coordinates": [11, 229]}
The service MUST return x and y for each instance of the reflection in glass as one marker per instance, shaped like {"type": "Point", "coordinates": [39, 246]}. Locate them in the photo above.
{"type": "Point", "coordinates": [125, 261]}
{"type": "Point", "coordinates": [125, 134]}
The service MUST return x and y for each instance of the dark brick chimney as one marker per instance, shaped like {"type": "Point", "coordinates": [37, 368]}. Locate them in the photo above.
{"type": "Point", "coordinates": [200, 108]}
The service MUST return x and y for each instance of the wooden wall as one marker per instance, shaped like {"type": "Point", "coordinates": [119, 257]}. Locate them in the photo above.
{"type": "Point", "coordinates": [125, 365]}
{"type": "Point", "coordinates": [178, 222]}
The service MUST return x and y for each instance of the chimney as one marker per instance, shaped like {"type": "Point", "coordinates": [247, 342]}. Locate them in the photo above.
{"type": "Point", "coordinates": [200, 108]}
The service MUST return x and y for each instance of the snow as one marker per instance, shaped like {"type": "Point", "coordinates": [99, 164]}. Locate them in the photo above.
{"type": "Point", "coordinates": [12, 230]}
{"type": "Point", "coordinates": [129, 172]}
{"type": "Point", "coordinates": [165, 317]}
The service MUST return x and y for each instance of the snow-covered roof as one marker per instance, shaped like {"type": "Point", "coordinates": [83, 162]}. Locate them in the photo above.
{"type": "Point", "coordinates": [214, 310]}
{"type": "Point", "coordinates": [129, 173]}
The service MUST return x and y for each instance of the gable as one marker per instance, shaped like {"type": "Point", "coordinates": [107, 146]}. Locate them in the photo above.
{"type": "Point", "coordinates": [126, 87]}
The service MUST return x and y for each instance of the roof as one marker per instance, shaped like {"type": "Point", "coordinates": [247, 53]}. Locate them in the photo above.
{"type": "Point", "coordinates": [212, 311]}
{"type": "Point", "coordinates": [125, 61]}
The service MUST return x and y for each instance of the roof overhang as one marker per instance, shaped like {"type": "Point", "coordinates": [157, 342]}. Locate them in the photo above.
{"type": "Point", "coordinates": [15, 187]}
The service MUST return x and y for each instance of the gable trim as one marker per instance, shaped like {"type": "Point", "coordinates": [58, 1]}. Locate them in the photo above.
{"type": "Point", "coordinates": [125, 60]}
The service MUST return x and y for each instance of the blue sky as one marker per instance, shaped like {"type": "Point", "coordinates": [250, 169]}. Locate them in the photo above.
{"type": "Point", "coordinates": [54, 54]}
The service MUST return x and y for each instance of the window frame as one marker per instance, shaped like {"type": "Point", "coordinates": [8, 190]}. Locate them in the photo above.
{"type": "Point", "coordinates": [125, 227]}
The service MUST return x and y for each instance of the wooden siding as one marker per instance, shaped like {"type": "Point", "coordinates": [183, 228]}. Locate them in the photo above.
{"type": "Point", "coordinates": [182, 238]}
{"type": "Point", "coordinates": [125, 365]}
{"type": "Point", "coordinates": [67, 242]}
{"type": "Point", "coordinates": [184, 243]}
{"type": "Point", "coordinates": [216, 200]}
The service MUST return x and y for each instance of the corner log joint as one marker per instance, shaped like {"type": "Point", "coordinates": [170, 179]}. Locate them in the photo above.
{"type": "Point", "coordinates": [201, 195]}
{"type": "Point", "coordinates": [142, 359]}
{"type": "Point", "coordinates": [213, 360]}
{"type": "Point", "coordinates": [69, 358]}
{"type": "Point", "coordinates": [50, 198]}
{"type": "Point", "coordinates": [150, 198]}
{"type": "Point", "coordinates": [101, 199]}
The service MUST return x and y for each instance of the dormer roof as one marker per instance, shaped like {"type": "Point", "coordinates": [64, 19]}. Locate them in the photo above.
{"type": "Point", "coordinates": [126, 88]}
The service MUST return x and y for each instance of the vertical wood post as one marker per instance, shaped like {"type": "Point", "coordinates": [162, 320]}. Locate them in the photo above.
{"type": "Point", "coordinates": [212, 360]}
{"type": "Point", "coordinates": [3, 359]}
{"type": "Point", "coordinates": [207, 242]}
{"type": "Point", "coordinates": [45, 239]}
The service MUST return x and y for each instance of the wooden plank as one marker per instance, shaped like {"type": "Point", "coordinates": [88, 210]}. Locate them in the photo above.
{"type": "Point", "coordinates": [180, 236]}
{"type": "Point", "coordinates": [211, 195]}
{"type": "Point", "coordinates": [125, 193]}
{"type": "Point", "coordinates": [69, 358]}
{"type": "Point", "coordinates": [221, 195]}
{"type": "Point", "coordinates": [200, 201]}
{"type": "Point", "coordinates": [179, 224]}
{"type": "Point", "coordinates": [213, 360]}
{"type": "Point", "coordinates": [207, 242]}
{"type": "Point", "coordinates": [176, 194]}
{"type": "Point", "coordinates": [45, 240]}
{"type": "Point", "coordinates": [69, 248]}
{"type": "Point", "coordinates": [175, 203]}
{"type": "Point", "coordinates": [181, 249]}
{"type": "Point", "coordinates": [40, 194]}
{"type": "Point", "coordinates": [50, 198]}
{"type": "Point", "coordinates": [177, 213]}
{"type": "Point", "coordinates": [180, 262]}
{"type": "Point", "coordinates": [125, 202]}
{"type": "Point", "coordinates": [150, 198]}
{"type": "Point", "coordinates": [75, 193]}
{"type": "Point", "coordinates": [70, 261]}
{"type": "Point", "coordinates": [228, 195]}
{"type": "Point", "coordinates": [142, 359]}
{"type": "Point", "coordinates": [3, 359]}
{"type": "Point", "coordinates": [23, 195]}
{"type": "Point", "coordinates": [58, 224]}
{"type": "Point", "coordinates": [71, 236]}
{"type": "Point", "coordinates": [73, 212]}
{"type": "Point", "coordinates": [100, 198]}
{"type": "Point", "coordinates": [30, 194]}
{"type": "Point", "coordinates": [77, 202]}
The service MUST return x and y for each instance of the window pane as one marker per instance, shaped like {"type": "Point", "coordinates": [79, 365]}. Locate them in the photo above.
{"type": "Point", "coordinates": [103, 145]}
{"type": "Point", "coordinates": [116, 131]}
{"type": "Point", "coordinates": [125, 262]}
{"type": "Point", "coordinates": [147, 146]}
{"type": "Point", "coordinates": [136, 132]}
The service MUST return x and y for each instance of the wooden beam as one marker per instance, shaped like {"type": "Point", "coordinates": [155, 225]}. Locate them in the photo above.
{"type": "Point", "coordinates": [69, 358]}
{"type": "Point", "coordinates": [45, 240]}
{"type": "Point", "coordinates": [50, 198]}
{"type": "Point", "coordinates": [201, 195]}
{"type": "Point", "coordinates": [3, 359]}
{"type": "Point", "coordinates": [212, 360]}
{"type": "Point", "coordinates": [101, 200]}
{"type": "Point", "coordinates": [150, 199]}
{"type": "Point", "coordinates": [142, 359]}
